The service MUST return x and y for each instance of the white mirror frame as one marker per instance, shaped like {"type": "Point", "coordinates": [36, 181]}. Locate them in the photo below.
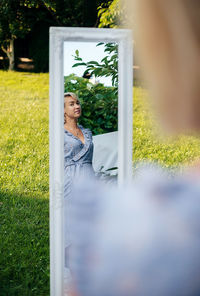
{"type": "Point", "coordinates": [59, 35]}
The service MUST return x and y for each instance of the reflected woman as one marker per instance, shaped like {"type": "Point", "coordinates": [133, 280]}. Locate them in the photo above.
{"type": "Point", "coordinates": [78, 149]}
{"type": "Point", "coordinates": [78, 145]}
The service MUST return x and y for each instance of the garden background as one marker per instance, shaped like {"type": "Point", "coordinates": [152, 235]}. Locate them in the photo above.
{"type": "Point", "coordinates": [24, 141]}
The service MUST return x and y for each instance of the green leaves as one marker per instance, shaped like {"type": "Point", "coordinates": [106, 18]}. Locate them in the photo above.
{"type": "Point", "coordinates": [110, 17]}
{"type": "Point", "coordinates": [108, 66]}
{"type": "Point", "coordinates": [78, 64]}
{"type": "Point", "coordinates": [93, 63]}
{"type": "Point", "coordinates": [100, 43]}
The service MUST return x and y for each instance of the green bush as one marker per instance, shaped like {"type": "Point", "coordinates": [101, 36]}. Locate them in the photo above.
{"type": "Point", "coordinates": [99, 104]}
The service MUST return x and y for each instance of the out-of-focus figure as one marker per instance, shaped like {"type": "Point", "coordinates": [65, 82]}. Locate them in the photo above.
{"type": "Point", "coordinates": [142, 240]}
{"type": "Point", "coordinates": [167, 46]}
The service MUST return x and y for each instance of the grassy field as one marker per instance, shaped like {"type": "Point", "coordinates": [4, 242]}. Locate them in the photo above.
{"type": "Point", "coordinates": [24, 176]}
{"type": "Point", "coordinates": [169, 152]}
{"type": "Point", "coordinates": [24, 184]}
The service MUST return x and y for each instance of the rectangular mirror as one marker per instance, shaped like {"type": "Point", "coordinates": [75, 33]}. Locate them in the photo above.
{"type": "Point", "coordinates": [91, 83]}
{"type": "Point", "coordinates": [91, 102]}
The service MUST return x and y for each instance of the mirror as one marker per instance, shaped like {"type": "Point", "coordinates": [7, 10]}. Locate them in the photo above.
{"type": "Point", "coordinates": [91, 99]}
{"type": "Point", "coordinates": [90, 118]}
{"type": "Point", "coordinates": [90, 124]}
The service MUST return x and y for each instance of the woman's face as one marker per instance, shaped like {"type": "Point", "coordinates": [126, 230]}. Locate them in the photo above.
{"type": "Point", "coordinates": [72, 107]}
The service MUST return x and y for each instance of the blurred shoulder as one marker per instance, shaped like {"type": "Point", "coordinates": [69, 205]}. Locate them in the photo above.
{"type": "Point", "coordinates": [157, 181]}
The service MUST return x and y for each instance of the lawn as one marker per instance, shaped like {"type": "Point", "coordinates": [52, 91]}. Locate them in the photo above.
{"type": "Point", "coordinates": [24, 176]}
{"type": "Point", "coordinates": [169, 152]}
{"type": "Point", "coordinates": [24, 184]}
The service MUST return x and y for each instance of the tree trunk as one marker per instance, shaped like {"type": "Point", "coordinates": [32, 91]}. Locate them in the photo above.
{"type": "Point", "coordinates": [10, 53]}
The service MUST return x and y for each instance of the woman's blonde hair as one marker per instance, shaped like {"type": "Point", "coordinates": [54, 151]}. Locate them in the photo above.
{"type": "Point", "coordinates": [167, 45]}
{"type": "Point", "coordinates": [70, 94]}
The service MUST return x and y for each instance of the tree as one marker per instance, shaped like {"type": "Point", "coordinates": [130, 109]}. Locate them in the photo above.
{"type": "Point", "coordinates": [111, 16]}
{"type": "Point", "coordinates": [108, 66]}
{"type": "Point", "coordinates": [20, 17]}
{"type": "Point", "coordinates": [16, 19]}
{"type": "Point", "coordinates": [79, 13]}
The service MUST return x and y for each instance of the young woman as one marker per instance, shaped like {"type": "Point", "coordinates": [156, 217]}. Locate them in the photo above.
{"type": "Point", "coordinates": [78, 145]}
{"type": "Point", "coordinates": [78, 151]}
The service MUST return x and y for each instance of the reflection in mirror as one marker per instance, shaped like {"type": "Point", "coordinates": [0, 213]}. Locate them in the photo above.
{"type": "Point", "coordinates": [90, 117]}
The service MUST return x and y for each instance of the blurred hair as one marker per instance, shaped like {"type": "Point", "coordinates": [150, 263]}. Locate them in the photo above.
{"type": "Point", "coordinates": [167, 44]}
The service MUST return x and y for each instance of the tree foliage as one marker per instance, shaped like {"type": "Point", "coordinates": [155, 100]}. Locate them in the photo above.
{"type": "Point", "coordinates": [20, 17]}
{"type": "Point", "coordinates": [110, 17]}
{"type": "Point", "coordinates": [108, 67]}
{"type": "Point", "coordinates": [16, 18]}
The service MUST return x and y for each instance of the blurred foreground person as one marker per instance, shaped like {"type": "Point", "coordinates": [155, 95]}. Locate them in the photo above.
{"type": "Point", "coordinates": [143, 239]}
{"type": "Point", "coordinates": [167, 47]}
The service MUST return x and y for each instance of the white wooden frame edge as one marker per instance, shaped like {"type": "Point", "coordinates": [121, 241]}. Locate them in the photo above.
{"type": "Point", "coordinates": [58, 35]}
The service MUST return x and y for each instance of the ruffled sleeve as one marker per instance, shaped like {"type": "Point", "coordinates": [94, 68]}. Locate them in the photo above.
{"type": "Point", "coordinates": [88, 139]}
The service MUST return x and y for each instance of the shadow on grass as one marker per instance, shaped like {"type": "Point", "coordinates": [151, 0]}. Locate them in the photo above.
{"type": "Point", "coordinates": [24, 244]}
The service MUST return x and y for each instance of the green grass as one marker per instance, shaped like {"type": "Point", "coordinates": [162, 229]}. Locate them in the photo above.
{"type": "Point", "coordinates": [171, 153]}
{"type": "Point", "coordinates": [24, 176]}
{"type": "Point", "coordinates": [24, 184]}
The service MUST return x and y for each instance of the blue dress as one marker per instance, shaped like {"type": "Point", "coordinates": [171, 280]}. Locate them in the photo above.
{"type": "Point", "coordinates": [77, 158]}
{"type": "Point", "coordinates": [77, 163]}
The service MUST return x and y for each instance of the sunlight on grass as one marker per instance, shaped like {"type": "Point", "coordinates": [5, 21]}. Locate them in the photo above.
{"type": "Point", "coordinates": [24, 132]}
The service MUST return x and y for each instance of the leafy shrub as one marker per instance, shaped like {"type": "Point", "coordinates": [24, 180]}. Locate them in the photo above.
{"type": "Point", "coordinates": [99, 104]}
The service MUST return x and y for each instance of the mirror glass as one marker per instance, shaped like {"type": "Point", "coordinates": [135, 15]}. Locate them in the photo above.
{"type": "Point", "coordinates": [90, 117]}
